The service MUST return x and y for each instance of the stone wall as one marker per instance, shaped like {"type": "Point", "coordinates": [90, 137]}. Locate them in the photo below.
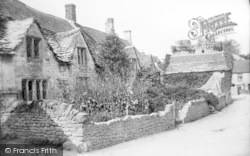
{"type": "Point", "coordinates": [222, 102]}
{"type": "Point", "coordinates": [54, 122]}
{"type": "Point", "coordinates": [41, 122]}
{"type": "Point", "coordinates": [128, 128]}
{"type": "Point", "coordinates": [193, 110]}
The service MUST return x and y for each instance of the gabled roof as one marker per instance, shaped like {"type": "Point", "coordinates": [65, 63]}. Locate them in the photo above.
{"type": "Point", "coordinates": [98, 36]}
{"type": "Point", "coordinates": [13, 32]}
{"type": "Point", "coordinates": [144, 59]}
{"type": "Point", "coordinates": [20, 11]}
{"type": "Point", "coordinates": [63, 43]}
{"type": "Point", "coordinates": [241, 66]}
{"type": "Point", "coordinates": [215, 61]}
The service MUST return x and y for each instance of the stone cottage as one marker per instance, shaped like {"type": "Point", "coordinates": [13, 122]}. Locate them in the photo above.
{"type": "Point", "coordinates": [35, 63]}
{"type": "Point", "coordinates": [241, 77]}
{"type": "Point", "coordinates": [41, 54]}
{"type": "Point", "coordinates": [211, 72]}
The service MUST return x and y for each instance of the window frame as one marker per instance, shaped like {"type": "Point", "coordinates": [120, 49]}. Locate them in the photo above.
{"type": "Point", "coordinates": [240, 77]}
{"type": "Point", "coordinates": [82, 56]}
{"type": "Point", "coordinates": [33, 47]}
{"type": "Point", "coordinates": [34, 89]}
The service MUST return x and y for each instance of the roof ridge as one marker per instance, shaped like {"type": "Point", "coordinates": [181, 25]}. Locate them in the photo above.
{"type": "Point", "coordinates": [40, 12]}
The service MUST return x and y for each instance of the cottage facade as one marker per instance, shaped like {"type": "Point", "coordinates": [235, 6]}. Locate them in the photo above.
{"type": "Point", "coordinates": [38, 65]}
{"type": "Point", "coordinates": [50, 53]}
{"type": "Point", "coordinates": [241, 77]}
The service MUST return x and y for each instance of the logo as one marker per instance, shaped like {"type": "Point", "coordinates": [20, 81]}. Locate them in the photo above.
{"type": "Point", "coordinates": [211, 27]}
{"type": "Point", "coordinates": [7, 150]}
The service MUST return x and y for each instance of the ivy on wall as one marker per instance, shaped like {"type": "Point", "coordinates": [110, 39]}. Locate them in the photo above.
{"type": "Point", "coordinates": [193, 80]}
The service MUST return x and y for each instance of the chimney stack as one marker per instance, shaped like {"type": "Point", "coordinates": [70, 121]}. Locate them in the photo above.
{"type": "Point", "coordinates": [109, 26]}
{"type": "Point", "coordinates": [70, 12]}
{"type": "Point", "coordinates": [127, 36]}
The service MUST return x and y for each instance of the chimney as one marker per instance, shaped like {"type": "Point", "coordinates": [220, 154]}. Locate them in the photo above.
{"type": "Point", "coordinates": [109, 26]}
{"type": "Point", "coordinates": [127, 36]}
{"type": "Point", "coordinates": [70, 12]}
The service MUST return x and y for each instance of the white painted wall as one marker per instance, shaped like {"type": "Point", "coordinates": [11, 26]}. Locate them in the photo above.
{"type": "Point", "coordinates": [242, 84]}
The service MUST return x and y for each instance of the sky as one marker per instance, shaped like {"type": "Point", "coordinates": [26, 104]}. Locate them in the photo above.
{"type": "Point", "coordinates": [155, 24]}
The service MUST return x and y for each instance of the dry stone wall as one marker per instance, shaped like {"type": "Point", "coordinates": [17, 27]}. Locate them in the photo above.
{"type": "Point", "coordinates": [54, 122]}
{"type": "Point", "coordinates": [57, 123]}
{"type": "Point", "coordinates": [109, 133]}
{"type": "Point", "coordinates": [41, 122]}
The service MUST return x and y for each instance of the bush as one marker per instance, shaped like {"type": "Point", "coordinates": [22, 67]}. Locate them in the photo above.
{"type": "Point", "coordinates": [161, 95]}
{"type": "Point", "coordinates": [211, 99]}
{"type": "Point", "coordinates": [105, 100]}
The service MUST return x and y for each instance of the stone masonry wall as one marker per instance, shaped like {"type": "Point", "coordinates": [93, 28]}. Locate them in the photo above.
{"type": "Point", "coordinates": [193, 110]}
{"type": "Point", "coordinates": [54, 122]}
{"type": "Point", "coordinates": [101, 135]}
{"type": "Point", "coordinates": [41, 122]}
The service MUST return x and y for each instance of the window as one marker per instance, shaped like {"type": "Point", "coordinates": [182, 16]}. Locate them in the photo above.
{"type": "Point", "coordinates": [82, 56]}
{"type": "Point", "coordinates": [32, 47]}
{"type": "Point", "coordinates": [240, 77]}
{"type": "Point", "coordinates": [34, 89]}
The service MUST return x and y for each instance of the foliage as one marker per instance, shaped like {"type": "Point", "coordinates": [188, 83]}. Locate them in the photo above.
{"type": "Point", "coordinates": [113, 55]}
{"type": "Point", "coordinates": [109, 99]}
{"type": "Point", "coordinates": [142, 73]}
{"type": "Point", "coordinates": [173, 49]}
{"type": "Point", "coordinates": [180, 93]}
{"type": "Point", "coordinates": [231, 46]}
{"type": "Point", "coordinates": [211, 99]}
{"type": "Point", "coordinates": [193, 80]}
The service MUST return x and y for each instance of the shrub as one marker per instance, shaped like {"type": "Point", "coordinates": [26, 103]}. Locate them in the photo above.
{"type": "Point", "coordinates": [211, 99]}
{"type": "Point", "coordinates": [105, 100]}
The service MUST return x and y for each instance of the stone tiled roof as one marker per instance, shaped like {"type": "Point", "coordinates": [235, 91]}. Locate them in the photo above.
{"type": "Point", "coordinates": [241, 66]}
{"type": "Point", "coordinates": [98, 36]}
{"type": "Point", "coordinates": [215, 61]}
{"type": "Point", "coordinates": [13, 32]}
{"type": "Point", "coordinates": [144, 59]}
{"type": "Point", "coordinates": [63, 43]}
{"type": "Point", "coordinates": [20, 11]}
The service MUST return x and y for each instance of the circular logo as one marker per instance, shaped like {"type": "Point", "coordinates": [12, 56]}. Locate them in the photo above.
{"type": "Point", "coordinates": [7, 150]}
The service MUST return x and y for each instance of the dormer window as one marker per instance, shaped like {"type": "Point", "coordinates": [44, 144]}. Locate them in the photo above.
{"type": "Point", "coordinates": [82, 56]}
{"type": "Point", "coordinates": [32, 45]}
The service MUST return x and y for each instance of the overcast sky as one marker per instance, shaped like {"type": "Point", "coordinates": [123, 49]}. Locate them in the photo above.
{"type": "Point", "coordinates": [155, 24]}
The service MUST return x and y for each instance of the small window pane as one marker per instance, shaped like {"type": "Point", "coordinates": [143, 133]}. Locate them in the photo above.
{"type": "Point", "coordinates": [24, 90]}
{"type": "Point", "coordinates": [36, 47]}
{"type": "Point", "coordinates": [30, 90]}
{"type": "Point", "coordinates": [44, 84]}
{"type": "Point", "coordinates": [38, 90]}
{"type": "Point", "coordinates": [29, 46]}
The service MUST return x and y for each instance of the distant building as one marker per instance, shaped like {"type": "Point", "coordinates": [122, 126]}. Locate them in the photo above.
{"type": "Point", "coordinates": [241, 77]}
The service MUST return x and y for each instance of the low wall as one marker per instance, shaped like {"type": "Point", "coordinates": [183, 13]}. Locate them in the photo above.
{"type": "Point", "coordinates": [222, 102]}
{"type": "Point", "coordinates": [56, 123]}
{"type": "Point", "coordinates": [193, 110]}
{"type": "Point", "coordinates": [40, 122]}
{"type": "Point", "coordinates": [120, 130]}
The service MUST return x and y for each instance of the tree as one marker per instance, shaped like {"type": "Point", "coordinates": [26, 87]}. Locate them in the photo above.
{"type": "Point", "coordinates": [231, 46]}
{"type": "Point", "coordinates": [173, 49]}
{"type": "Point", "coordinates": [112, 53]}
